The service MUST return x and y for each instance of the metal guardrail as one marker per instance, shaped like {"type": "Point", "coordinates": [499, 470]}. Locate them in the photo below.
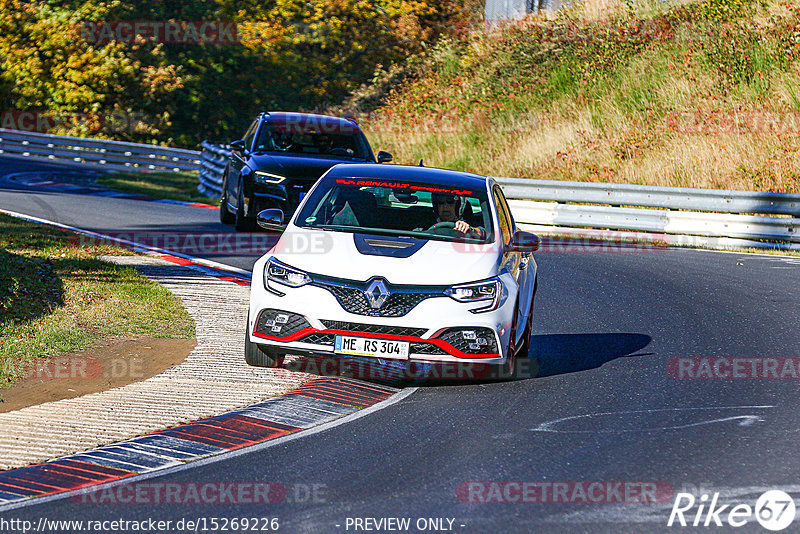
{"type": "Point", "coordinates": [678, 198]}
{"type": "Point", "coordinates": [213, 161]}
{"type": "Point", "coordinates": [749, 215]}
{"type": "Point", "coordinates": [97, 153]}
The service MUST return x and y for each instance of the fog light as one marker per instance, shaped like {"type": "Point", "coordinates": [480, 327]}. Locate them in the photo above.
{"type": "Point", "coordinates": [471, 339]}
{"type": "Point", "coordinates": [279, 323]}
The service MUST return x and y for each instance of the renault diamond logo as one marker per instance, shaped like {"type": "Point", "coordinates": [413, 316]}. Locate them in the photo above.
{"type": "Point", "coordinates": [376, 293]}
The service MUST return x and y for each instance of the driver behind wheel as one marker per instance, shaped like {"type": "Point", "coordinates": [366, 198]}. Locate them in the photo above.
{"type": "Point", "coordinates": [448, 209]}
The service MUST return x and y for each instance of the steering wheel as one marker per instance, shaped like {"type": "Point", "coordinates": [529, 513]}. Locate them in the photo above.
{"type": "Point", "coordinates": [443, 228]}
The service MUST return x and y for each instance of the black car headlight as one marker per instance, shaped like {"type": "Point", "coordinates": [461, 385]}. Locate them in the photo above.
{"type": "Point", "coordinates": [488, 291]}
{"type": "Point", "coordinates": [261, 177]}
{"type": "Point", "coordinates": [275, 271]}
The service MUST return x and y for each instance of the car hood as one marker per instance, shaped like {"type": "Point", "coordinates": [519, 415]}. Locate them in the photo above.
{"type": "Point", "coordinates": [342, 255]}
{"type": "Point", "coordinates": [296, 166]}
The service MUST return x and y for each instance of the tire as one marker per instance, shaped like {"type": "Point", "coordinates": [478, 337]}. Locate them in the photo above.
{"type": "Point", "coordinates": [530, 367]}
{"type": "Point", "coordinates": [242, 223]}
{"type": "Point", "coordinates": [508, 369]}
{"type": "Point", "coordinates": [525, 347]}
{"type": "Point", "coordinates": [258, 356]}
{"type": "Point", "coordinates": [225, 216]}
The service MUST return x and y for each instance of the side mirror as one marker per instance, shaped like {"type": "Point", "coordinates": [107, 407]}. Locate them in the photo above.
{"type": "Point", "coordinates": [238, 146]}
{"type": "Point", "coordinates": [271, 219]}
{"type": "Point", "coordinates": [384, 157]}
{"type": "Point", "coordinates": [524, 242]}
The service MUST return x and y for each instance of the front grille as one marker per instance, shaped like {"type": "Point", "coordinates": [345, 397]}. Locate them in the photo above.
{"type": "Point", "coordinates": [318, 338]}
{"type": "Point", "coordinates": [374, 329]}
{"type": "Point", "coordinates": [277, 323]}
{"type": "Point", "coordinates": [296, 191]}
{"type": "Point", "coordinates": [472, 340]}
{"type": "Point", "coordinates": [426, 348]}
{"type": "Point", "coordinates": [401, 299]}
{"type": "Point", "coordinates": [397, 305]}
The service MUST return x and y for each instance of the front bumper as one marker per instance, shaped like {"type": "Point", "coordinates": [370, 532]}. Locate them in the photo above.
{"type": "Point", "coordinates": [438, 329]}
{"type": "Point", "coordinates": [285, 196]}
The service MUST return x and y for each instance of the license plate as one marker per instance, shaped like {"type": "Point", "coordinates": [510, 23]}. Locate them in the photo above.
{"type": "Point", "coordinates": [362, 346]}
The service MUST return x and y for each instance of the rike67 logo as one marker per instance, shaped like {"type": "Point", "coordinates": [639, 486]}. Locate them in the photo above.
{"type": "Point", "coordinates": [774, 510]}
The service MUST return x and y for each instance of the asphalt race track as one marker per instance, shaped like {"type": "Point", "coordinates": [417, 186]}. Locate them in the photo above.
{"type": "Point", "coordinates": [614, 404]}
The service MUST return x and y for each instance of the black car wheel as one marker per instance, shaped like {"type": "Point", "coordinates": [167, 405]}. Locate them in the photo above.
{"type": "Point", "coordinates": [242, 223]}
{"type": "Point", "coordinates": [508, 369]}
{"type": "Point", "coordinates": [225, 216]}
{"type": "Point", "coordinates": [531, 362]}
{"type": "Point", "coordinates": [525, 346]}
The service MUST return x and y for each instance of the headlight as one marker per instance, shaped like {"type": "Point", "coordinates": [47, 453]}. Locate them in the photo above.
{"type": "Point", "coordinates": [488, 290]}
{"type": "Point", "coordinates": [275, 271]}
{"type": "Point", "coordinates": [262, 177]}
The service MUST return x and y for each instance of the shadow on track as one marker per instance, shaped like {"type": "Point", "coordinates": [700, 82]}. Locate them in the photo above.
{"type": "Point", "coordinates": [569, 353]}
{"type": "Point", "coordinates": [557, 354]}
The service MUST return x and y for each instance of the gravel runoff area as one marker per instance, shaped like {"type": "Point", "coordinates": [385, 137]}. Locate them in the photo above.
{"type": "Point", "coordinates": [212, 380]}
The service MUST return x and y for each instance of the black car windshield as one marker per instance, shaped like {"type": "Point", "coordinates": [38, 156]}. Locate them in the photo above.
{"type": "Point", "coordinates": [399, 208]}
{"type": "Point", "coordinates": [349, 144]}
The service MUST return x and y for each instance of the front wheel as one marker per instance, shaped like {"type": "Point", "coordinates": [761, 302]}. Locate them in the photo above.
{"type": "Point", "coordinates": [242, 223]}
{"type": "Point", "coordinates": [508, 369]}
{"type": "Point", "coordinates": [530, 365]}
{"type": "Point", "coordinates": [225, 216]}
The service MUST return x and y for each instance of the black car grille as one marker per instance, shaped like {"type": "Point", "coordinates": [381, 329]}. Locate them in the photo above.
{"type": "Point", "coordinates": [426, 348]}
{"type": "Point", "coordinates": [401, 299]}
{"type": "Point", "coordinates": [374, 329]}
{"type": "Point", "coordinates": [297, 189]}
{"type": "Point", "coordinates": [318, 338]}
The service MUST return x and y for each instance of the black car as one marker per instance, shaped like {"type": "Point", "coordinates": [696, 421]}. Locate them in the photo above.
{"type": "Point", "coordinates": [281, 156]}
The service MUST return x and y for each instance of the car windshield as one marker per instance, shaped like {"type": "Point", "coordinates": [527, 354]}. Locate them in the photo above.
{"type": "Point", "coordinates": [399, 208]}
{"type": "Point", "coordinates": [313, 141]}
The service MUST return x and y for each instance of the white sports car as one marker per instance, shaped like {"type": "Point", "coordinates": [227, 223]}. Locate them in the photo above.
{"type": "Point", "coordinates": [395, 263]}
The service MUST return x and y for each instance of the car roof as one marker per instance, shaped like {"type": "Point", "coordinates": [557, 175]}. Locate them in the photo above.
{"type": "Point", "coordinates": [410, 173]}
{"type": "Point", "coordinates": [312, 119]}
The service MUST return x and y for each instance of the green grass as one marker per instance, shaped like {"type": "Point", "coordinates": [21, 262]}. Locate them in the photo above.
{"type": "Point", "coordinates": [169, 185]}
{"type": "Point", "coordinates": [56, 297]}
{"type": "Point", "coordinates": [658, 93]}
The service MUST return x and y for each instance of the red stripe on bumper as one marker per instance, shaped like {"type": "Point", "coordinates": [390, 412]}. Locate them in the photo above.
{"type": "Point", "coordinates": [445, 346]}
